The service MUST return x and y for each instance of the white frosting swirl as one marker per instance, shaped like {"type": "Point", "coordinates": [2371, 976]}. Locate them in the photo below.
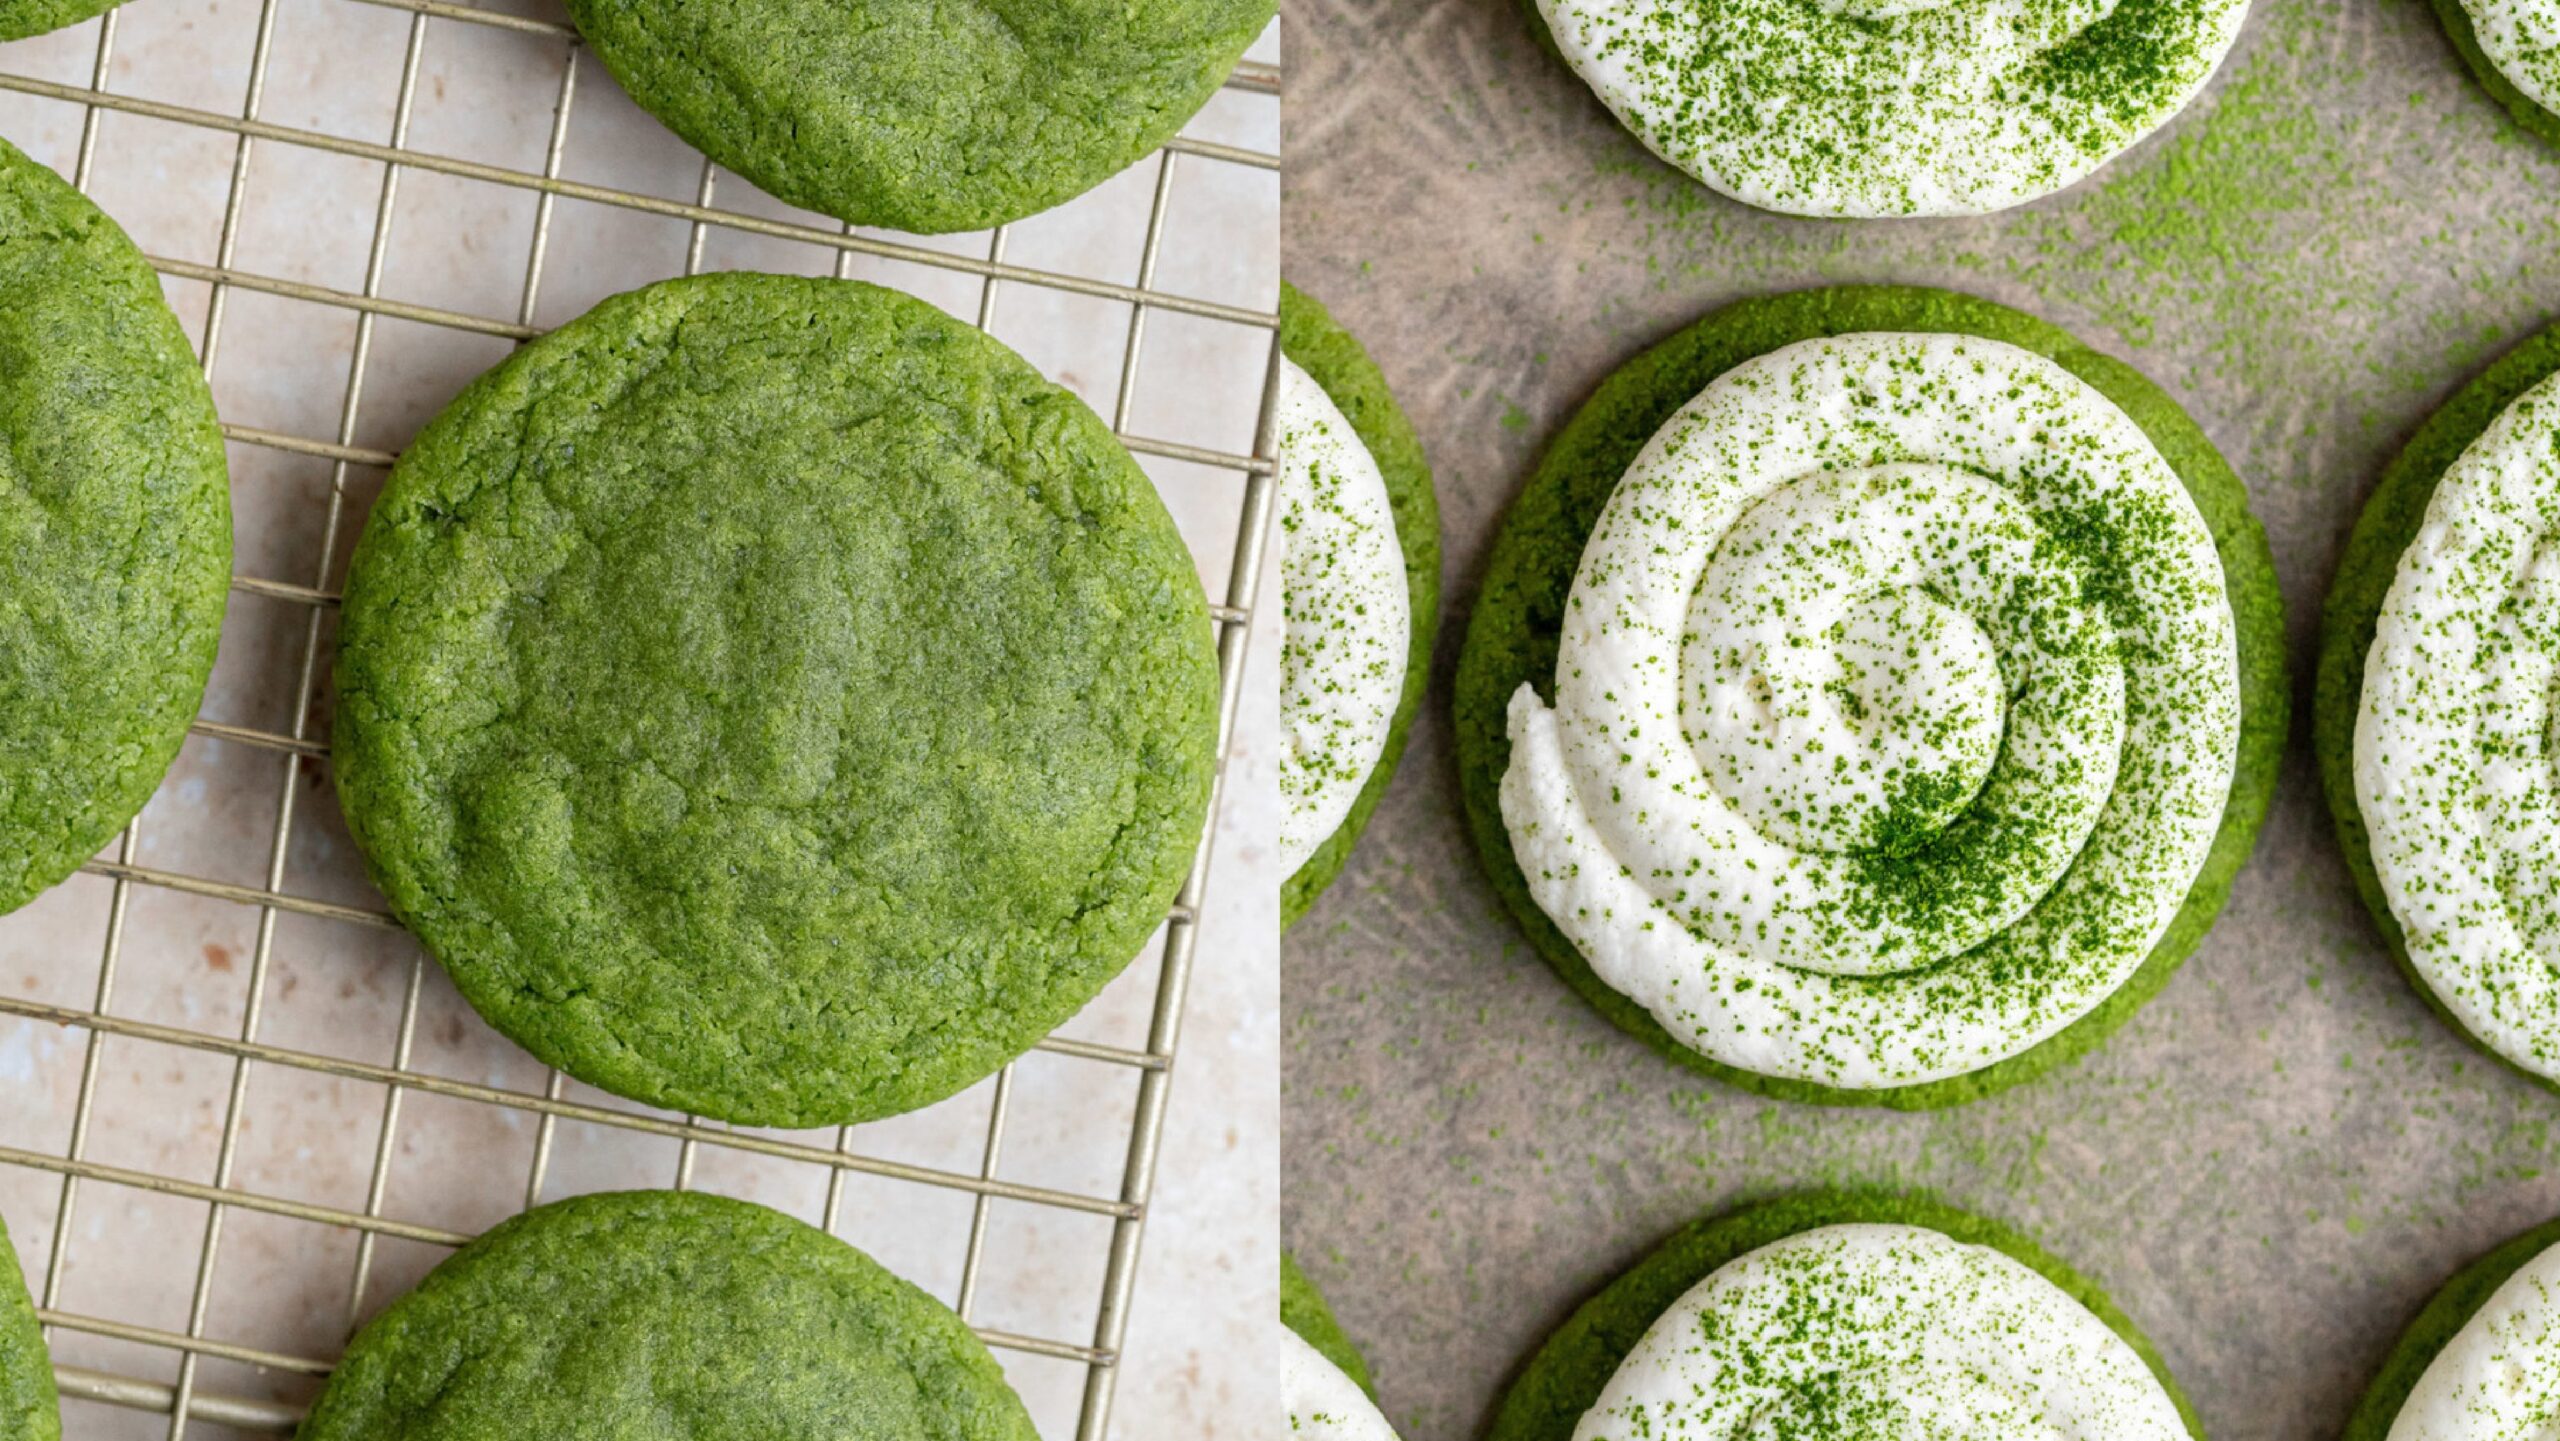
{"type": "Point", "coordinates": [2498, 1379]}
{"type": "Point", "coordinates": [1880, 1333]}
{"type": "Point", "coordinates": [1896, 706]}
{"type": "Point", "coordinates": [2453, 753]}
{"type": "Point", "coordinates": [2522, 40]}
{"type": "Point", "coordinates": [1892, 107]}
{"type": "Point", "coordinates": [1342, 585]}
{"type": "Point", "coordinates": [1323, 1404]}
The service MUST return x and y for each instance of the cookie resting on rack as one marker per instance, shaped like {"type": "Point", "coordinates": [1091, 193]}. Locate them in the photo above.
{"type": "Point", "coordinates": [29, 1408]}
{"type": "Point", "coordinates": [22, 18]}
{"type": "Point", "coordinates": [921, 115]}
{"type": "Point", "coordinates": [115, 530]}
{"type": "Point", "coordinates": [771, 699]}
{"type": "Point", "coordinates": [665, 1314]}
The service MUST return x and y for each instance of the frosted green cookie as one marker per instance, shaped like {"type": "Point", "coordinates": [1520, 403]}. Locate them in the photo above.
{"type": "Point", "coordinates": [22, 18]}
{"type": "Point", "coordinates": [1891, 107]}
{"type": "Point", "coordinates": [2496, 1320]}
{"type": "Point", "coordinates": [2425, 704]}
{"type": "Point", "coordinates": [1922, 913]}
{"type": "Point", "coordinates": [1352, 676]}
{"type": "Point", "coordinates": [1324, 1385]}
{"type": "Point", "coordinates": [1805, 1316]}
{"type": "Point", "coordinates": [1303, 1310]}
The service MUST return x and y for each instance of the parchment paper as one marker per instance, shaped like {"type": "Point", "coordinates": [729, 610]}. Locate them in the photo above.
{"type": "Point", "coordinates": [2279, 1159]}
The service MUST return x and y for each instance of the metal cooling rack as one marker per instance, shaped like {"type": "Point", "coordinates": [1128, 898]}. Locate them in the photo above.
{"type": "Point", "coordinates": [191, 1404]}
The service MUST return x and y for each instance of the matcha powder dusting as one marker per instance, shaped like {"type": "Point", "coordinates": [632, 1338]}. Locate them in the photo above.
{"type": "Point", "coordinates": [1892, 107]}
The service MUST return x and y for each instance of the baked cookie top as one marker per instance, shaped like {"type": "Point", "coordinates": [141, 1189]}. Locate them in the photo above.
{"type": "Point", "coordinates": [22, 18]}
{"type": "Point", "coordinates": [665, 1314]}
{"type": "Point", "coordinates": [919, 115]}
{"type": "Point", "coordinates": [770, 698]}
{"type": "Point", "coordinates": [115, 530]}
{"type": "Point", "coordinates": [29, 1408]}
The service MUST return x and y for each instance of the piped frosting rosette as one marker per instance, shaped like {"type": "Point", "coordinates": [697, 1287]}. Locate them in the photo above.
{"type": "Point", "coordinates": [1896, 705]}
{"type": "Point", "coordinates": [2454, 755]}
{"type": "Point", "coordinates": [1892, 107]}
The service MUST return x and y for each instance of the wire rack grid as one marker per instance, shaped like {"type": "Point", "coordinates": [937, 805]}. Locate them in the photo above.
{"type": "Point", "coordinates": [84, 1199]}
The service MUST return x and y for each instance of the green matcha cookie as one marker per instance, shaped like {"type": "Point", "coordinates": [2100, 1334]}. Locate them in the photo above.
{"type": "Point", "coordinates": [917, 115]}
{"type": "Point", "coordinates": [2441, 1324]}
{"type": "Point", "coordinates": [29, 1410]}
{"type": "Point", "coordinates": [770, 699]}
{"type": "Point", "coordinates": [1569, 1375]}
{"type": "Point", "coordinates": [2463, 989]}
{"type": "Point", "coordinates": [2504, 42]}
{"type": "Point", "coordinates": [1871, 904]}
{"type": "Point", "coordinates": [1333, 359]}
{"type": "Point", "coordinates": [1302, 1309]}
{"type": "Point", "coordinates": [1864, 108]}
{"type": "Point", "coordinates": [1324, 1385]}
{"type": "Point", "coordinates": [115, 530]}
{"type": "Point", "coordinates": [665, 1314]}
{"type": "Point", "coordinates": [22, 18]}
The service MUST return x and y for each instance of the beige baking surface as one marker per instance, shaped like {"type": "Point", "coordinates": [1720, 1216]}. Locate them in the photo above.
{"type": "Point", "coordinates": [2276, 1161]}
{"type": "Point", "coordinates": [333, 987]}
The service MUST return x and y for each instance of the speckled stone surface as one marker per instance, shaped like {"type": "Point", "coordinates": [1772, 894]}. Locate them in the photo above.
{"type": "Point", "coordinates": [2278, 1160]}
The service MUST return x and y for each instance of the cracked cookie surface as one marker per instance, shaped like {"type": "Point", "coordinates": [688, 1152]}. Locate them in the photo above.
{"type": "Point", "coordinates": [664, 1314]}
{"type": "Point", "coordinates": [115, 530]}
{"type": "Point", "coordinates": [922, 115]}
{"type": "Point", "coordinates": [770, 698]}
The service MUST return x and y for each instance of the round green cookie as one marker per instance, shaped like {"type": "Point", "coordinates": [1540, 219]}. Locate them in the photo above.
{"type": "Point", "coordinates": [1512, 637]}
{"type": "Point", "coordinates": [22, 18]}
{"type": "Point", "coordinates": [1302, 1309]}
{"type": "Point", "coordinates": [2437, 1322]}
{"type": "Point", "coordinates": [2391, 519]}
{"type": "Point", "coordinates": [1567, 1374]}
{"type": "Point", "coordinates": [1334, 360]}
{"type": "Point", "coordinates": [115, 530]}
{"type": "Point", "coordinates": [2525, 110]}
{"type": "Point", "coordinates": [771, 699]}
{"type": "Point", "coordinates": [919, 115]}
{"type": "Point", "coordinates": [665, 1314]}
{"type": "Point", "coordinates": [29, 1409]}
